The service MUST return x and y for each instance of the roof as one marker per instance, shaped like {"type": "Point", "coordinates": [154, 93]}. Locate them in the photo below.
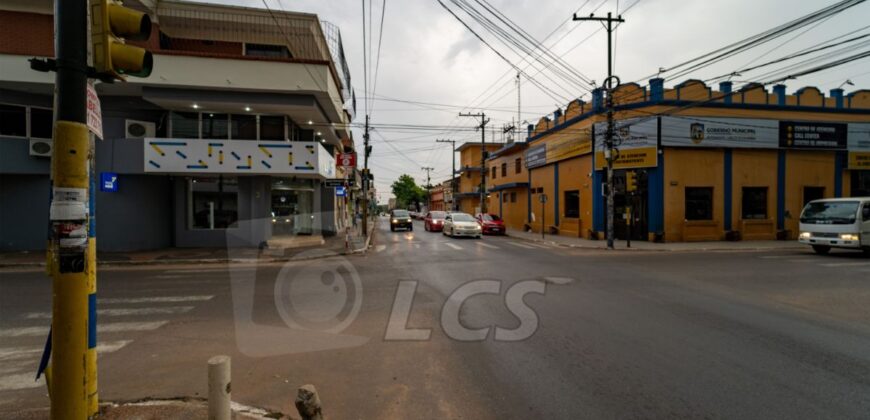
{"type": "Point", "coordinates": [487, 145]}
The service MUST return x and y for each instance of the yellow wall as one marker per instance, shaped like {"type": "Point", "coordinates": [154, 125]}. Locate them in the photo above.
{"type": "Point", "coordinates": [753, 168]}
{"type": "Point", "coordinates": [574, 175]}
{"type": "Point", "coordinates": [805, 169]}
{"type": "Point", "coordinates": [543, 177]}
{"type": "Point", "coordinates": [692, 168]}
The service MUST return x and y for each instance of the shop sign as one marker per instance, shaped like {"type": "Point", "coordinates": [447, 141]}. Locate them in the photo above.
{"type": "Point", "coordinates": [536, 156]}
{"type": "Point", "coordinates": [859, 146]}
{"type": "Point", "coordinates": [720, 132]}
{"type": "Point", "coordinates": [340, 192]}
{"type": "Point", "coordinates": [812, 135]}
{"type": "Point", "coordinates": [635, 144]}
{"type": "Point", "coordinates": [108, 182]}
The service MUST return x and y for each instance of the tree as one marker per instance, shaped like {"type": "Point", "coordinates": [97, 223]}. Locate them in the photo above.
{"type": "Point", "coordinates": [407, 192]}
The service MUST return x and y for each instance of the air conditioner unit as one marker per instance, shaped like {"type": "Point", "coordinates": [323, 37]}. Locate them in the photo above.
{"type": "Point", "coordinates": [139, 129]}
{"type": "Point", "coordinates": [40, 147]}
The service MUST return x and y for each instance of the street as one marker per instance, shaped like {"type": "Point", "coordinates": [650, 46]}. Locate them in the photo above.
{"type": "Point", "coordinates": [619, 335]}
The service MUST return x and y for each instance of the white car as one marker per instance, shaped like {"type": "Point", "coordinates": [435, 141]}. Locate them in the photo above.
{"type": "Point", "coordinates": [461, 224]}
{"type": "Point", "coordinates": [836, 223]}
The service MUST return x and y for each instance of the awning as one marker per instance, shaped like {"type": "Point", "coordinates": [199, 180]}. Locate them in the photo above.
{"type": "Point", "coordinates": [509, 186]}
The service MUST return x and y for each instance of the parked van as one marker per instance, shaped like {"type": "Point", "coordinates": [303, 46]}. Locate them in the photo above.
{"type": "Point", "coordinates": [836, 223]}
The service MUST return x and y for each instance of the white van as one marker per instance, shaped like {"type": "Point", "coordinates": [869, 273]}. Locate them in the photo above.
{"type": "Point", "coordinates": [836, 223]}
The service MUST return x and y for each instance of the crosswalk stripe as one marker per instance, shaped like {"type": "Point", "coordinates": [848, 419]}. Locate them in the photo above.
{"type": "Point", "coordinates": [846, 264]}
{"type": "Point", "coordinates": [160, 310]}
{"type": "Point", "coordinates": [517, 244]}
{"type": "Point", "coordinates": [156, 299]}
{"type": "Point", "coordinates": [486, 245]}
{"type": "Point", "coordinates": [113, 327]}
{"type": "Point", "coordinates": [380, 248]}
{"type": "Point", "coordinates": [22, 376]}
{"type": "Point", "coordinates": [537, 245]}
{"type": "Point", "coordinates": [19, 381]}
{"type": "Point", "coordinates": [454, 246]}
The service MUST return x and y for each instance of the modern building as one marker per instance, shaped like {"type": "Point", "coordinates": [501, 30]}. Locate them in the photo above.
{"type": "Point", "coordinates": [239, 121]}
{"type": "Point", "coordinates": [705, 164]}
{"type": "Point", "coordinates": [470, 174]}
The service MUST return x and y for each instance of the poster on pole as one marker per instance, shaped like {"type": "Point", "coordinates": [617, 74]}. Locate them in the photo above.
{"type": "Point", "coordinates": [95, 114]}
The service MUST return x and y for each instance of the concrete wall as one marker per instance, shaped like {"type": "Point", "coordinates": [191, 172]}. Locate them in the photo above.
{"type": "Point", "coordinates": [23, 211]}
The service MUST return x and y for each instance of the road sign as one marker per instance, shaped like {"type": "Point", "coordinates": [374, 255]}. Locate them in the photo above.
{"type": "Point", "coordinates": [95, 114]}
{"type": "Point", "coordinates": [347, 160]}
{"type": "Point", "coordinates": [108, 182]}
{"type": "Point", "coordinates": [340, 192]}
{"type": "Point", "coordinates": [338, 182]}
{"type": "Point", "coordinates": [543, 198]}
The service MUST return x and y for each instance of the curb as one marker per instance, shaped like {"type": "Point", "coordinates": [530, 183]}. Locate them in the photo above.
{"type": "Point", "coordinates": [705, 249]}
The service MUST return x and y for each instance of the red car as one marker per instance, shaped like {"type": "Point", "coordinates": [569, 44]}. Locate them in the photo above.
{"type": "Point", "coordinates": [434, 221]}
{"type": "Point", "coordinates": [490, 224]}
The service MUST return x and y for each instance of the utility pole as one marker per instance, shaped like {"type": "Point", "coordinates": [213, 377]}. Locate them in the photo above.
{"type": "Point", "coordinates": [453, 174]}
{"type": "Point", "coordinates": [519, 102]}
{"type": "Point", "coordinates": [428, 186]}
{"type": "Point", "coordinates": [608, 139]}
{"type": "Point", "coordinates": [365, 179]}
{"type": "Point", "coordinates": [482, 127]}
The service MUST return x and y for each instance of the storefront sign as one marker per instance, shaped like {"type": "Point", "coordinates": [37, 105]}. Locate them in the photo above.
{"type": "Point", "coordinates": [635, 144]}
{"type": "Point", "coordinates": [536, 156]}
{"type": "Point", "coordinates": [810, 135]}
{"type": "Point", "coordinates": [859, 146]}
{"type": "Point", "coordinates": [720, 132]}
{"type": "Point", "coordinates": [108, 182]}
{"type": "Point", "coordinates": [339, 182]}
{"type": "Point", "coordinates": [346, 160]}
{"type": "Point", "coordinates": [340, 192]}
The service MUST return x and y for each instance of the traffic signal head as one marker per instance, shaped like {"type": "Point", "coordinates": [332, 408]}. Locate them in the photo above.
{"type": "Point", "coordinates": [111, 25]}
{"type": "Point", "coordinates": [630, 181]}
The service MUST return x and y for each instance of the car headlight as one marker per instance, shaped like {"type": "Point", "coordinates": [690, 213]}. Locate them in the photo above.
{"type": "Point", "coordinates": [805, 235]}
{"type": "Point", "coordinates": [395, 220]}
{"type": "Point", "coordinates": [849, 237]}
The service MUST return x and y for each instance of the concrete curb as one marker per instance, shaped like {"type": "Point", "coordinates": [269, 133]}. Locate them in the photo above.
{"type": "Point", "coordinates": [603, 247]}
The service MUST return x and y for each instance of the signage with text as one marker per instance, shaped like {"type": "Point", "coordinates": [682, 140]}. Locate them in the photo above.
{"type": "Point", "coordinates": [811, 135]}
{"type": "Point", "coordinates": [536, 156]}
{"type": "Point", "coordinates": [347, 160]}
{"type": "Point", "coordinates": [635, 144]}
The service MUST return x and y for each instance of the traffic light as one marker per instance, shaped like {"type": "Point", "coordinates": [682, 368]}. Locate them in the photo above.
{"type": "Point", "coordinates": [630, 181]}
{"type": "Point", "coordinates": [111, 25]}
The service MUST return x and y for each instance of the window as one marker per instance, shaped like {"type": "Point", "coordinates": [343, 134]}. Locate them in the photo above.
{"type": "Point", "coordinates": [754, 203]}
{"type": "Point", "coordinates": [185, 125]}
{"type": "Point", "coordinates": [572, 204]}
{"type": "Point", "coordinates": [13, 120]}
{"type": "Point", "coordinates": [518, 165]}
{"type": "Point", "coordinates": [699, 203]}
{"type": "Point", "coordinates": [213, 203]}
{"type": "Point", "coordinates": [41, 121]}
{"type": "Point", "coordinates": [513, 196]}
{"type": "Point", "coordinates": [493, 172]}
{"type": "Point", "coordinates": [215, 126]}
{"type": "Point", "coordinates": [504, 169]}
{"type": "Point", "coordinates": [468, 174]}
{"type": "Point", "coordinates": [271, 127]}
{"type": "Point", "coordinates": [265, 50]}
{"type": "Point", "coordinates": [243, 127]}
{"type": "Point", "coordinates": [813, 193]}
{"type": "Point", "coordinates": [504, 198]}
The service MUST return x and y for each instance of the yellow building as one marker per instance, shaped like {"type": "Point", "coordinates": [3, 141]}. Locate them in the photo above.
{"type": "Point", "coordinates": [469, 174]}
{"type": "Point", "coordinates": [707, 165]}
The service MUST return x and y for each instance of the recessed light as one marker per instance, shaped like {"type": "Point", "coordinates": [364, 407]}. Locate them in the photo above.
{"type": "Point", "coordinates": [319, 133]}
{"type": "Point", "coordinates": [310, 122]}
{"type": "Point", "coordinates": [195, 106]}
{"type": "Point", "coordinates": [247, 109]}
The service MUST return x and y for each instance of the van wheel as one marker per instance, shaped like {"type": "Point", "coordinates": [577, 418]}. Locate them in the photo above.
{"type": "Point", "coordinates": [821, 249]}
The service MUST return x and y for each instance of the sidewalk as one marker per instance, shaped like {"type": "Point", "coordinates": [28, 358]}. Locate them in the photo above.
{"type": "Point", "coordinates": [651, 246]}
{"type": "Point", "coordinates": [319, 248]}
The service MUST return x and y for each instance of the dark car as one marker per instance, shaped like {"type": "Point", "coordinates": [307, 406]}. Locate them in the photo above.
{"type": "Point", "coordinates": [434, 221]}
{"type": "Point", "coordinates": [490, 224]}
{"type": "Point", "coordinates": [400, 219]}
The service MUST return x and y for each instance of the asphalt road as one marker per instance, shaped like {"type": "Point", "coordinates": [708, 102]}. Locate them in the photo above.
{"type": "Point", "coordinates": [612, 335]}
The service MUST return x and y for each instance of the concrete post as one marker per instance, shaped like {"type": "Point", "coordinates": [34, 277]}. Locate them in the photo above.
{"type": "Point", "coordinates": [219, 388]}
{"type": "Point", "coordinates": [308, 403]}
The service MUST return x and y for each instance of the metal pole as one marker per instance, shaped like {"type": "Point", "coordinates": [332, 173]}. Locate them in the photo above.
{"type": "Point", "coordinates": [365, 180]}
{"type": "Point", "coordinates": [71, 253]}
{"type": "Point", "coordinates": [483, 163]}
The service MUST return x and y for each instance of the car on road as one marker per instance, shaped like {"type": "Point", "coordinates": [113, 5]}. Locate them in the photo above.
{"type": "Point", "coordinates": [434, 221]}
{"type": "Point", "coordinates": [490, 224]}
{"type": "Point", "coordinates": [461, 224]}
{"type": "Point", "coordinates": [836, 223]}
{"type": "Point", "coordinates": [401, 219]}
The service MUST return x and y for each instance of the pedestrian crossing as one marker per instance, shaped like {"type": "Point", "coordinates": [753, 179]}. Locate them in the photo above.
{"type": "Point", "coordinates": [121, 319]}
{"type": "Point", "coordinates": [463, 245]}
{"type": "Point", "coordinates": [852, 261]}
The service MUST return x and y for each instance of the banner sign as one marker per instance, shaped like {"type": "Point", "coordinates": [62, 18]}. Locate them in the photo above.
{"type": "Point", "coordinates": [720, 132]}
{"type": "Point", "coordinates": [635, 144]}
{"type": "Point", "coordinates": [95, 113]}
{"type": "Point", "coordinates": [536, 156]}
{"type": "Point", "coordinates": [858, 141]}
{"type": "Point", "coordinates": [347, 160]}
{"type": "Point", "coordinates": [811, 135]}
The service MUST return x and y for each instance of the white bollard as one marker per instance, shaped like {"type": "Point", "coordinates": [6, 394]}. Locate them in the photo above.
{"type": "Point", "coordinates": [219, 388]}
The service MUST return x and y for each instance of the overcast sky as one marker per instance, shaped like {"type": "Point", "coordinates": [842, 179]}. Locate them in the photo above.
{"type": "Point", "coordinates": [428, 56]}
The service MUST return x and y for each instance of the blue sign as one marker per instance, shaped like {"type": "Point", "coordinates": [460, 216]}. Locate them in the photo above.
{"type": "Point", "coordinates": [108, 182]}
{"type": "Point", "coordinates": [340, 192]}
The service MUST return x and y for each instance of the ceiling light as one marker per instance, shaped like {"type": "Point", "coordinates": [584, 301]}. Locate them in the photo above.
{"type": "Point", "coordinates": [247, 109]}
{"type": "Point", "coordinates": [319, 133]}
{"type": "Point", "coordinates": [195, 106]}
{"type": "Point", "coordinates": [310, 122]}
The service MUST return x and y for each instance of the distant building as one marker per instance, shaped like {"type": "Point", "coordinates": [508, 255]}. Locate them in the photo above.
{"type": "Point", "coordinates": [469, 174]}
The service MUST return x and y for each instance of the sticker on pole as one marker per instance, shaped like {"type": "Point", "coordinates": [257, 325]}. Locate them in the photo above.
{"type": "Point", "coordinates": [95, 114]}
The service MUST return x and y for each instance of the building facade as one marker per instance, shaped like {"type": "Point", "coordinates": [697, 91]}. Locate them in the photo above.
{"type": "Point", "coordinates": [693, 163]}
{"type": "Point", "coordinates": [239, 121]}
{"type": "Point", "coordinates": [469, 174]}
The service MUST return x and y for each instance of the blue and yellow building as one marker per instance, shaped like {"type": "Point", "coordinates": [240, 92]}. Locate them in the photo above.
{"type": "Point", "coordinates": [707, 164]}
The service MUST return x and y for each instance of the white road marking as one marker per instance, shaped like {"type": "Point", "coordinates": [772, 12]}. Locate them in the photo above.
{"type": "Point", "coordinates": [112, 346]}
{"type": "Point", "coordinates": [521, 245]}
{"type": "Point", "coordinates": [846, 264]}
{"type": "Point", "coordinates": [486, 245]}
{"type": "Point", "coordinates": [160, 310]}
{"type": "Point", "coordinates": [14, 353]}
{"type": "Point", "coordinates": [770, 257]}
{"type": "Point", "coordinates": [156, 299]}
{"type": "Point", "coordinates": [380, 248]}
{"type": "Point", "coordinates": [537, 245]}
{"type": "Point", "coordinates": [112, 327]}
{"type": "Point", "coordinates": [558, 280]}
{"type": "Point", "coordinates": [803, 260]}
{"type": "Point", "coordinates": [20, 381]}
{"type": "Point", "coordinates": [454, 246]}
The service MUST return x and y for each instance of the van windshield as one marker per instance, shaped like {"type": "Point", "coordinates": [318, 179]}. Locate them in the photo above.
{"type": "Point", "coordinates": [830, 212]}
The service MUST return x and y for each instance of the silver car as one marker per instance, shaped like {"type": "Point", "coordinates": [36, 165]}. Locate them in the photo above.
{"type": "Point", "coordinates": [461, 224]}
